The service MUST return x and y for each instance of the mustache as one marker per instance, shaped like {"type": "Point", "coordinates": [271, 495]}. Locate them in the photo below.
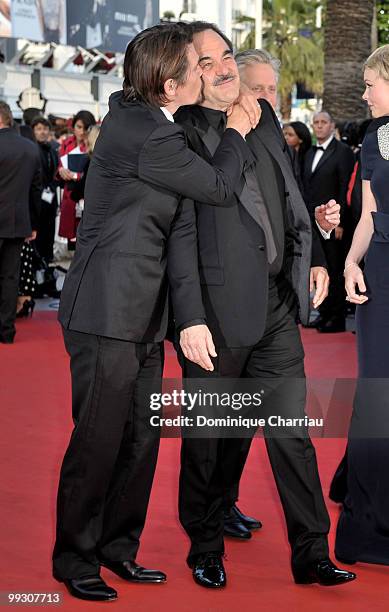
{"type": "Point", "coordinates": [221, 79]}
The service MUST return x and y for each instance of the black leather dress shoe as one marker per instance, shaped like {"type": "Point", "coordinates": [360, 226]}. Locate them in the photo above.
{"type": "Point", "coordinates": [208, 571]}
{"type": "Point", "coordinates": [324, 572]}
{"type": "Point", "coordinates": [132, 572]}
{"type": "Point", "coordinates": [234, 527]}
{"type": "Point", "coordinates": [91, 588]}
{"type": "Point", "coordinates": [332, 326]}
{"type": "Point", "coordinates": [248, 521]}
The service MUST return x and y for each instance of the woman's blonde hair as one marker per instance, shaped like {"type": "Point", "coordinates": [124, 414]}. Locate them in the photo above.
{"type": "Point", "coordinates": [93, 133]}
{"type": "Point", "coordinates": [379, 62]}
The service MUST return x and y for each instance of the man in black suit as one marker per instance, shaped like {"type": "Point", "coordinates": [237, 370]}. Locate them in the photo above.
{"type": "Point", "coordinates": [114, 303]}
{"type": "Point", "coordinates": [326, 174]}
{"type": "Point", "coordinates": [20, 195]}
{"type": "Point", "coordinates": [254, 269]}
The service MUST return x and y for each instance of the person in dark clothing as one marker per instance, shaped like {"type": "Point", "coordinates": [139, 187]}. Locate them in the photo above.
{"type": "Point", "coordinates": [254, 260]}
{"type": "Point", "coordinates": [299, 139]}
{"type": "Point", "coordinates": [49, 205]}
{"type": "Point", "coordinates": [114, 306]}
{"type": "Point", "coordinates": [327, 170]}
{"type": "Point", "coordinates": [20, 192]}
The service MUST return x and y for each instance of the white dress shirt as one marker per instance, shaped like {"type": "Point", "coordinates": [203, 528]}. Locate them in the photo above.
{"type": "Point", "coordinates": [319, 154]}
{"type": "Point", "coordinates": [167, 113]}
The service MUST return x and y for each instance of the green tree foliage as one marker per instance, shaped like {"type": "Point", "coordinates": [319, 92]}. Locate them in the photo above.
{"type": "Point", "coordinates": [291, 35]}
{"type": "Point", "coordinates": [383, 22]}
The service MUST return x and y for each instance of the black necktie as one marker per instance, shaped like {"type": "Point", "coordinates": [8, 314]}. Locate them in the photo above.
{"type": "Point", "coordinates": [318, 148]}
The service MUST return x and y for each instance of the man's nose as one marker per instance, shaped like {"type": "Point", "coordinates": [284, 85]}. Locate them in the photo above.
{"type": "Point", "coordinates": [221, 68]}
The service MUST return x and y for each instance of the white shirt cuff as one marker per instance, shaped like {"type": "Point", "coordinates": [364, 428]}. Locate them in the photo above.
{"type": "Point", "coordinates": [326, 235]}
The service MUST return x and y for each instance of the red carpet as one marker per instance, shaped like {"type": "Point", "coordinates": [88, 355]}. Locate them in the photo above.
{"type": "Point", "coordinates": [35, 412]}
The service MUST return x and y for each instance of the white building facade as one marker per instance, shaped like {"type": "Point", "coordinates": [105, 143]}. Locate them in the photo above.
{"type": "Point", "coordinates": [224, 13]}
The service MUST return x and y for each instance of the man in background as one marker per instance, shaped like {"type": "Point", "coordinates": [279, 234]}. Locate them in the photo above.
{"type": "Point", "coordinates": [20, 195]}
{"type": "Point", "coordinates": [326, 174]}
{"type": "Point", "coordinates": [260, 72]}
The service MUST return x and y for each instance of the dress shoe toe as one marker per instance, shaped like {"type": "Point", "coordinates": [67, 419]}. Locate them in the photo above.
{"type": "Point", "coordinates": [132, 572]}
{"type": "Point", "coordinates": [209, 572]}
{"type": "Point", "coordinates": [91, 588]}
{"type": "Point", "coordinates": [324, 573]}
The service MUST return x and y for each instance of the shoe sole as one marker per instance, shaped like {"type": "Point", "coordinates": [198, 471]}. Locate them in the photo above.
{"type": "Point", "coordinates": [210, 586]}
{"type": "Point", "coordinates": [323, 583]}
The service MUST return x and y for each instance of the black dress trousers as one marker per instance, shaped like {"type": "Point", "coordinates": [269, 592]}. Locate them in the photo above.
{"type": "Point", "coordinates": [10, 253]}
{"type": "Point", "coordinates": [210, 467]}
{"type": "Point", "coordinates": [108, 468]}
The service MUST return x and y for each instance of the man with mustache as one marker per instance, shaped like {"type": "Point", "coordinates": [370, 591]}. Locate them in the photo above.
{"type": "Point", "coordinates": [254, 270]}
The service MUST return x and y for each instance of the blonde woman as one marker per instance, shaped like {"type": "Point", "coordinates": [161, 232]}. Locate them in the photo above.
{"type": "Point", "coordinates": [363, 528]}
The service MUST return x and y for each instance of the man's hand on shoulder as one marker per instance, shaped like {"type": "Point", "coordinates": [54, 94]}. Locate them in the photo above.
{"type": "Point", "coordinates": [320, 281]}
{"type": "Point", "coordinates": [197, 345]}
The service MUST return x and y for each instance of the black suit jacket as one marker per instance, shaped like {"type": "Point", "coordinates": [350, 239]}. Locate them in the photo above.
{"type": "Point", "coordinates": [20, 185]}
{"type": "Point", "coordinates": [116, 285]}
{"type": "Point", "coordinates": [232, 278]}
{"type": "Point", "coordinates": [330, 178]}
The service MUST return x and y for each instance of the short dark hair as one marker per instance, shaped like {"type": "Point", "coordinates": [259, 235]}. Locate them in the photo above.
{"type": "Point", "coordinates": [6, 114]}
{"type": "Point", "coordinates": [202, 26]}
{"type": "Point", "coordinates": [40, 121]}
{"type": "Point", "coordinates": [154, 56]}
{"type": "Point", "coordinates": [86, 117]}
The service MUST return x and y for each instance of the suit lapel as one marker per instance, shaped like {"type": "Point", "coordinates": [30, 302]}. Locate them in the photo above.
{"type": "Point", "coordinates": [308, 162]}
{"type": "Point", "coordinates": [330, 150]}
{"type": "Point", "coordinates": [211, 140]}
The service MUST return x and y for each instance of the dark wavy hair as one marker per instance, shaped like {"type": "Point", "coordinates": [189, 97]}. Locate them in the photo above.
{"type": "Point", "coordinates": [154, 56]}
{"type": "Point", "coordinates": [304, 134]}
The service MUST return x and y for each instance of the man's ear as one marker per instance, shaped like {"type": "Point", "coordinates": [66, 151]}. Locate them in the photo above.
{"type": "Point", "coordinates": [170, 88]}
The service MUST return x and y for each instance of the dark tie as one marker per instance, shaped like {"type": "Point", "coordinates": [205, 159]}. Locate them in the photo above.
{"type": "Point", "coordinates": [318, 148]}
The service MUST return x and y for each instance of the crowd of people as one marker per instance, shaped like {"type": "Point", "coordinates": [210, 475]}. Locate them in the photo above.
{"type": "Point", "coordinates": [63, 188]}
{"type": "Point", "coordinates": [199, 202]}
{"type": "Point", "coordinates": [53, 189]}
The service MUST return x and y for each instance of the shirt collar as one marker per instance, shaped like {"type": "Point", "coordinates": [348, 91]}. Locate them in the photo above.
{"type": "Point", "coordinates": [167, 113]}
{"type": "Point", "coordinates": [327, 142]}
{"type": "Point", "coordinates": [217, 119]}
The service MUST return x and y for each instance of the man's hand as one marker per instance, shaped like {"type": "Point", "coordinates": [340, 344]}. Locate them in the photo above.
{"type": "Point", "coordinates": [354, 277]}
{"type": "Point", "coordinates": [328, 215]}
{"type": "Point", "coordinates": [32, 237]}
{"type": "Point", "coordinates": [197, 345]}
{"type": "Point", "coordinates": [249, 103]}
{"type": "Point", "coordinates": [66, 174]}
{"type": "Point", "coordinates": [320, 281]}
{"type": "Point", "coordinates": [240, 120]}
